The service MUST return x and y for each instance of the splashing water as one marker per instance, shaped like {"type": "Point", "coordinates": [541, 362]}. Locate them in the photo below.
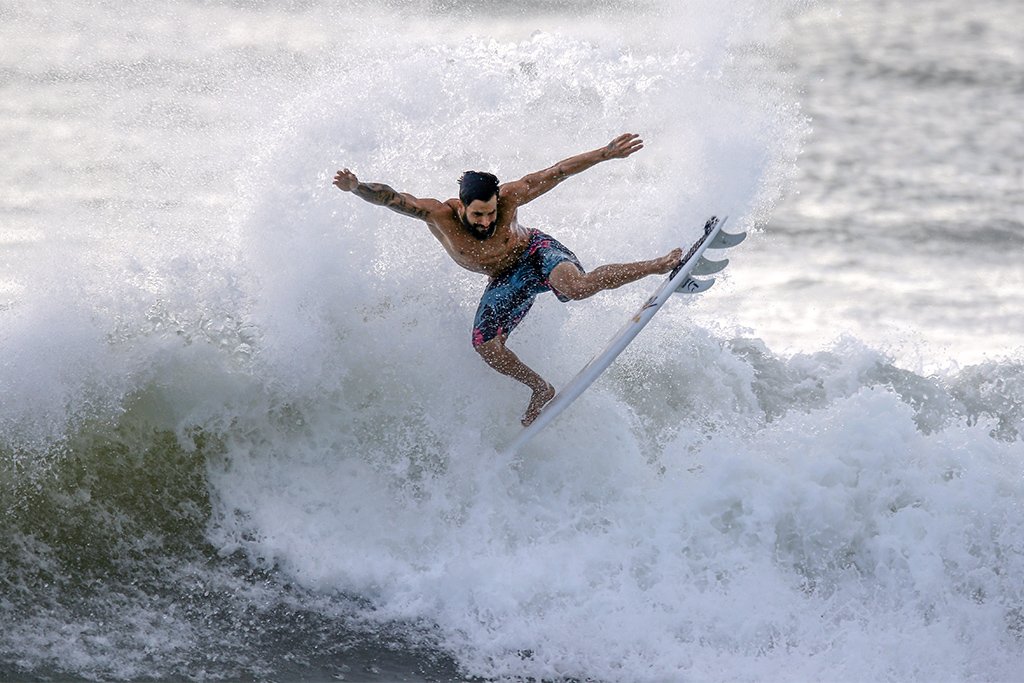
{"type": "Point", "coordinates": [243, 432]}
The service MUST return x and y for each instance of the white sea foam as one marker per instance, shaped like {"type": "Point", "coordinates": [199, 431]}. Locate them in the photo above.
{"type": "Point", "coordinates": [797, 548]}
{"type": "Point", "coordinates": [627, 543]}
{"type": "Point", "coordinates": [710, 509]}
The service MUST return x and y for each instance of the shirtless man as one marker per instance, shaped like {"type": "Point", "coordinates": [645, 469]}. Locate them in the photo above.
{"type": "Point", "coordinates": [480, 231]}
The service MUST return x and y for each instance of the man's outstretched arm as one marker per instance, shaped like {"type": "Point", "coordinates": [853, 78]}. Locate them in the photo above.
{"type": "Point", "coordinates": [382, 195]}
{"type": "Point", "coordinates": [531, 186]}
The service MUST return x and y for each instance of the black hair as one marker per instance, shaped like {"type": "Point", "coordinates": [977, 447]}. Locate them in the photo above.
{"type": "Point", "coordinates": [475, 185]}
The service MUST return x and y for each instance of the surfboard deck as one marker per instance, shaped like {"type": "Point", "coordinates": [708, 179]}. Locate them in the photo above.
{"type": "Point", "coordinates": [679, 281]}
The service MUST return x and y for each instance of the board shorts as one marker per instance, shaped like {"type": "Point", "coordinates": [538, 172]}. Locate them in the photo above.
{"type": "Point", "coordinates": [509, 296]}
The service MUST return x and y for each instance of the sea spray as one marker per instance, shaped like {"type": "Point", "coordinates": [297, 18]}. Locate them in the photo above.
{"type": "Point", "coordinates": [243, 432]}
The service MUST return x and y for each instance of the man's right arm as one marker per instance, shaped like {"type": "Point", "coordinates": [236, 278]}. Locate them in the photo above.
{"type": "Point", "coordinates": [531, 186]}
{"type": "Point", "coordinates": [382, 195]}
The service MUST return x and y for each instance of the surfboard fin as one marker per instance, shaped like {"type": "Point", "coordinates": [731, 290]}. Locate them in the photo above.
{"type": "Point", "coordinates": [708, 267]}
{"type": "Point", "coordinates": [725, 240]}
{"type": "Point", "coordinates": [691, 286]}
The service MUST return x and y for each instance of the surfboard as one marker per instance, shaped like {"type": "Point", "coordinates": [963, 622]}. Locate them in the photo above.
{"type": "Point", "coordinates": [679, 281]}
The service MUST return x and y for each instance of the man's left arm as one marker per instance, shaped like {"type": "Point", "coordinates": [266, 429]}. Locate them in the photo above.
{"type": "Point", "coordinates": [531, 186]}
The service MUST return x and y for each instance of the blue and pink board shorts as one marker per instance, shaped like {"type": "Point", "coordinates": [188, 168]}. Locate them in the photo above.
{"type": "Point", "coordinates": [508, 297]}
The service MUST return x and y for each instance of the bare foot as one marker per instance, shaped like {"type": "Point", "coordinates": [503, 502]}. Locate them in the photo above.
{"type": "Point", "coordinates": [539, 400]}
{"type": "Point", "coordinates": [669, 261]}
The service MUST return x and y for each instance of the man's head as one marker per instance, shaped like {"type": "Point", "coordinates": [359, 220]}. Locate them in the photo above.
{"type": "Point", "coordinates": [478, 192]}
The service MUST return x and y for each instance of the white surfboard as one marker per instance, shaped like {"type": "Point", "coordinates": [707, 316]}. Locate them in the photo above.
{"type": "Point", "coordinates": [679, 281]}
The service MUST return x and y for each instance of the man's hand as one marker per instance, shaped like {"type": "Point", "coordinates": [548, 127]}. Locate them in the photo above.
{"type": "Point", "coordinates": [346, 180]}
{"type": "Point", "coordinates": [622, 146]}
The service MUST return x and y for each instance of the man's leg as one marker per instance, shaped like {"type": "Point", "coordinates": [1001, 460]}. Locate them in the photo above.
{"type": "Point", "coordinates": [569, 281]}
{"type": "Point", "coordinates": [497, 355]}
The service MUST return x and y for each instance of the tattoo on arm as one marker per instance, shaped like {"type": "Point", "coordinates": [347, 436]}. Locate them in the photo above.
{"type": "Point", "coordinates": [383, 195]}
{"type": "Point", "coordinates": [375, 193]}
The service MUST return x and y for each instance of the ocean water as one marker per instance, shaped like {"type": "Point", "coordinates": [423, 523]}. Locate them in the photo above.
{"type": "Point", "coordinates": [243, 434]}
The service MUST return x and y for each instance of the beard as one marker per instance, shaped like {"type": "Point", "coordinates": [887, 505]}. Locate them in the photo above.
{"type": "Point", "coordinates": [481, 232]}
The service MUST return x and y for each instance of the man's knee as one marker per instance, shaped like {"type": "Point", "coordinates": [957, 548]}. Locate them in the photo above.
{"type": "Point", "coordinates": [571, 283]}
{"type": "Point", "coordinates": [491, 349]}
{"type": "Point", "coordinates": [578, 288]}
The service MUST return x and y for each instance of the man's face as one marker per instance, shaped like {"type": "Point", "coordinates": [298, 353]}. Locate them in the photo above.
{"type": "Point", "coordinates": [480, 217]}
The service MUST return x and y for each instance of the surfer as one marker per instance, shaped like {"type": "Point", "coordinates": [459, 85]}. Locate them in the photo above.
{"type": "Point", "coordinates": [481, 232]}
